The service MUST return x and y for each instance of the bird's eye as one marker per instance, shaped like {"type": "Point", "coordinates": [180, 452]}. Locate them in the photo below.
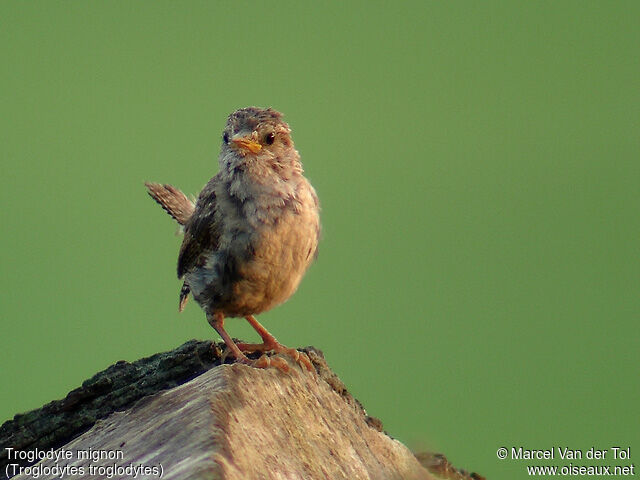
{"type": "Point", "coordinates": [225, 138]}
{"type": "Point", "coordinates": [269, 138]}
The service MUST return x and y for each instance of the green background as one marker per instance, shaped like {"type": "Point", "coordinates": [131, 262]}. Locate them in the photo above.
{"type": "Point", "coordinates": [478, 168]}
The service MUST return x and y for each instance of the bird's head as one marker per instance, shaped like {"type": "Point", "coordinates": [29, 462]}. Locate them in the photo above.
{"type": "Point", "coordinates": [257, 136]}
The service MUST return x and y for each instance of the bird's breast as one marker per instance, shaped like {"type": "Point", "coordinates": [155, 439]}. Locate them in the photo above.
{"type": "Point", "coordinates": [281, 252]}
{"type": "Point", "coordinates": [266, 245]}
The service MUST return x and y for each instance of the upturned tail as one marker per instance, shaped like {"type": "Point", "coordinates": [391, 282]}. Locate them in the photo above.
{"type": "Point", "coordinates": [174, 202]}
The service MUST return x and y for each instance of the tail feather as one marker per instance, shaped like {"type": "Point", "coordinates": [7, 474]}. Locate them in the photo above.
{"type": "Point", "coordinates": [172, 200]}
{"type": "Point", "coordinates": [184, 296]}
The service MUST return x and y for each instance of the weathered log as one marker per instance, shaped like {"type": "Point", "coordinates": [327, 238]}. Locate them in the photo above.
{"type": "Point", "coordinates": [184, 414]}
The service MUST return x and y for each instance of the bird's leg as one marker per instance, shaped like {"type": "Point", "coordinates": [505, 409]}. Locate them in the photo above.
{"type": "Point", "coordinates": [269, 343]}
{"type": "Point", "coordinates": [217, 322]}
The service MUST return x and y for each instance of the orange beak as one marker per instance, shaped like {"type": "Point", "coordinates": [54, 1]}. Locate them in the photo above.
{"type": "Point", "coordinates": [246, 143]}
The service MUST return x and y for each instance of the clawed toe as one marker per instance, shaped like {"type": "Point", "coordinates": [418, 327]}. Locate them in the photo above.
{"type": "Point", "coordinates": [300, 358]}
{"type": "Point", "coordinates": [265, 362]}
{"type": "Point", "coordinates": [223, 355]}
{"type": "Point", "coordinates": [306, 362]}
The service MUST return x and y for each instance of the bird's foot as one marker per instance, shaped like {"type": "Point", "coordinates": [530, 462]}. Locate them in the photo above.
{"type": "Point", "coordinates": [270, 344]}
{"type": "Point", "coordinates": [265, 362]}
{"type": "Point", "coordinates": [300, 358]}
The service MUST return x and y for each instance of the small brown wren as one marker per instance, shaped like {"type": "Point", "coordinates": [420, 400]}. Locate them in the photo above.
{"type": "Point", "coordinates": [252, 233]}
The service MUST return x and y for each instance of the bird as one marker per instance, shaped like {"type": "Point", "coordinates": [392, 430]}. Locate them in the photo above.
{"type": "Point", "coordinates": [251, 234]}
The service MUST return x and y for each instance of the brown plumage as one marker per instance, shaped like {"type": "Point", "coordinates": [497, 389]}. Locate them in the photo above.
{"type": "Point", "coordinates": [172, 200]}
{"type": "Point", "coordinates": [253, 231]}
{"type": "Point", "coordinates": [178, 205]}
